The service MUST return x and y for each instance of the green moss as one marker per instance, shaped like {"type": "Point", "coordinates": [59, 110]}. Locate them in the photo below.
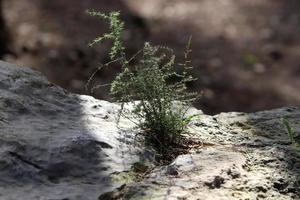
{"type": "Point", "coordinates": [123, 177]}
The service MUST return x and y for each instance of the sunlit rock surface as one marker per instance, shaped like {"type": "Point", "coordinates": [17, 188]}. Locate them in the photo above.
{"type": "Point", "coordinates": [57, 145]}
{"type": "Point", "coordinates": [60, 146]}
{"type": "Point", "coordinates": [243, 156]}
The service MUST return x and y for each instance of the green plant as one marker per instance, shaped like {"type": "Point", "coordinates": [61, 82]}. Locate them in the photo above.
{"type": "Point", "coordinates": [290, 132]}
{"type": "Point", "coordinates": [249, 59]}
{"type": "Point", "coordinates": [157, 93]}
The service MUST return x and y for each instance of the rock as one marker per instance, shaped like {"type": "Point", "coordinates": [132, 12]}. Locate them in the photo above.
{"type": "Point", "coordinates": [140, 167]}
{"type": "Point", "coordinates": [115, 194]}
{"type": "Point", "coordinates": [58, 145]}
{"type": "Point", "coordinates": [261, 189]}
{"type": "Point", "coordinates": [234, 173]}
{"type": "Point", "coordinates": [280, 184]}
{"type": "Point", "coordinates": [172, 170]}
{"type": "Point", "coordinates": [216, 182]}
{"type": "Point", "coordinates": [249, 152]}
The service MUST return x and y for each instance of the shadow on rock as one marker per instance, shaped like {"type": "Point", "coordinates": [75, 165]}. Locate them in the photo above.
{"type": "Point", "coordinates": [58, 145]}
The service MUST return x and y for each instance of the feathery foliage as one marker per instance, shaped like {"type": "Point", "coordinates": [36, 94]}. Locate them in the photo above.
{"type": "Point", "coordinates": [152, 86]}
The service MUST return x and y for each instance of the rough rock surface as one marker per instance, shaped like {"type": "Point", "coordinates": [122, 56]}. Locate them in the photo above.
{"type": "Point", "coordinates": [55, 145]}
{"type": "Point", "coordinates": [243, 156]}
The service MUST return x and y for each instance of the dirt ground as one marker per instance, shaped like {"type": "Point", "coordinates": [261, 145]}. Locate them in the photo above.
{"type": "Point", "coordinates": [245, 53]}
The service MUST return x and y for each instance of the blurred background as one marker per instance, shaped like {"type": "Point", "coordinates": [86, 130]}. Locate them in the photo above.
{"type": "Point", "coordinates": [246, 54]}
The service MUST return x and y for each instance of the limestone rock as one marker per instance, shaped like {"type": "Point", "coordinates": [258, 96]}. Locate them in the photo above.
{"type": "Point", "coordinates": [57, 145]}
{"type": "Point", "coordinates": [243, 156]}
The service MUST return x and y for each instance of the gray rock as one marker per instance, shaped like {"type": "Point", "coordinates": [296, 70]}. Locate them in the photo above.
{"type": "Point", "coordinates": [215, 182]}
{"type": "Point", "coordinates": [242, 157]}
{"type": "Point", "coordinates": [58, 145]}
{"type": "Point", "coordinates": [172, 170]}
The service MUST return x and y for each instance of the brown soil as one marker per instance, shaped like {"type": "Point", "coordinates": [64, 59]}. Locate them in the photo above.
{"type": "Point", "coordinates": [245, 53]}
